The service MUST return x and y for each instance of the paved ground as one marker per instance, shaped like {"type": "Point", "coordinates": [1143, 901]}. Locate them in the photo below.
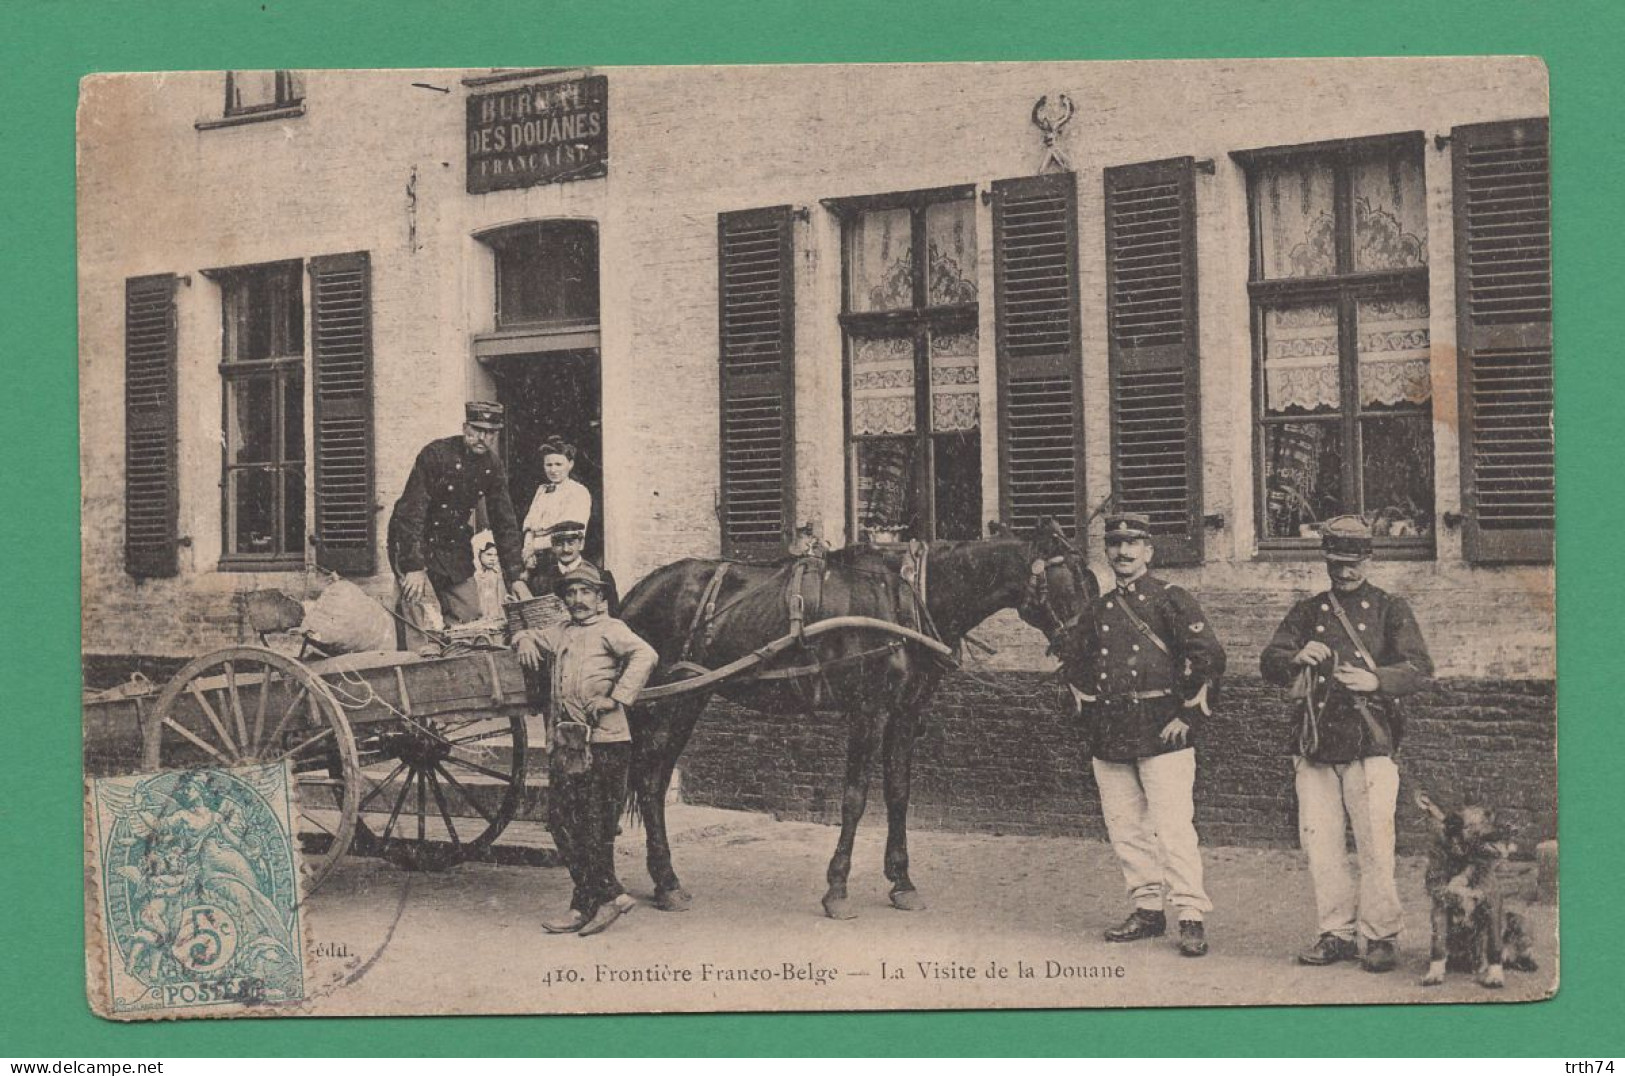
{"type": "Point", "coordinates": [467, 940]}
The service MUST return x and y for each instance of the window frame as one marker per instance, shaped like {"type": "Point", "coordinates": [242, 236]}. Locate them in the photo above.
{"type": "Point", "coordinates": [281, 369]}
{"type": "Point", "coordinates": [288, 101]}
{"type": "Point", "coordinates": [1345, 288]}
{"type": "Point", "coordinates": [919, 321]}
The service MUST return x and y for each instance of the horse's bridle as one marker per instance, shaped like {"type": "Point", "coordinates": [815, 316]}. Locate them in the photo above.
{"type": "Point", "coordinates": [1035, 597]}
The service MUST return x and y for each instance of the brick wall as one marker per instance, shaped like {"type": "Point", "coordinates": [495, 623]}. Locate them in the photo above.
{"type": "Point", "coordinates": [999, 755]}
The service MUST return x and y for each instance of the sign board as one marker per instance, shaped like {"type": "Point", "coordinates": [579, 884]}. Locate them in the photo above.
{"type": "Point", "coordinates": [551, 132]}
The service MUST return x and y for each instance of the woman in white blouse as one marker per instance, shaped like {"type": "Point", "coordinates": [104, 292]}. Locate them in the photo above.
{"type": "Point", "coordinates": [557, 499]}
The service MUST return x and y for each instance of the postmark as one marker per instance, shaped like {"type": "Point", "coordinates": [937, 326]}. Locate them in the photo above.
{"type": "Point", "coordinates": [198, 891]}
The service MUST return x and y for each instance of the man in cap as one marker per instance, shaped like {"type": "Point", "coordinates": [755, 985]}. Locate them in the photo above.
{"type": "Point", "coordinates": [597, 667]}
{"type": "Point", "coordinates": [566, 540]}
{"type": "Point", "coordinates": [430, 531]}
{"type": "Point", "coordinates": [1350, 652]}
{"type": "Point", "coordinates": [1143, 676]}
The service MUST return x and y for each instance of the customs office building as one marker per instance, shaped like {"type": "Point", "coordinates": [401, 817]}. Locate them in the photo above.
{"type": "Point", "coordinates": [885, 302]}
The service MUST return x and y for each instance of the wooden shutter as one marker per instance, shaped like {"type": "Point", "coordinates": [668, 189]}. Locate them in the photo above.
{"type": "Point", "coordinates": [756, 338]}
{"type": "Point", "coordinates": [1151, 309]}
{"type": "Point", "coordinates": [151, 473]}
{"type": "Point", "coordinates": [1502, 180]}
{"type": "Point", "coordinates": [341, 360]}
{"type": "Point", "coordinates": [1035, 294]}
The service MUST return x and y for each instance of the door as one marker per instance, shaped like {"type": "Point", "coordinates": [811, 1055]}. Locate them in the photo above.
{"type": "Point", "coordinates": [553, 396]}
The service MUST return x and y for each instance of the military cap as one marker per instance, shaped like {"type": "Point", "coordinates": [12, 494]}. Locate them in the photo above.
{"type": "Point", "coordinates": [581, 573]}
{"type": "Point", "coordinates": [566, 528]}
{"type": "Point", "coordinates": [483, 414]}
{"type": "Point", "coordinates": [1345, 538]}
{"type": "Point", "coordinates": [1128, 525]}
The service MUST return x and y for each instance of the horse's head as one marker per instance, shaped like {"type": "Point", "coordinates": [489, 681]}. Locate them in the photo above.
{"type": "Point", "coordinates": [1060, 587]}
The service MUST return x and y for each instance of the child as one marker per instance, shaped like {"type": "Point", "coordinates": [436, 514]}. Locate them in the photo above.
{"type": "Point", "coordinates": [488, 578]}
{"type": "Point", "coordinates": [598, 666]}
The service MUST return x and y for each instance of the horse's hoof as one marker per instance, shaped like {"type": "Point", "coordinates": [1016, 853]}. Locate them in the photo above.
{"type": "Point", "coordinates": [839, 908]}
{"type": "Point", "coordinates": [907, 900]}
{"type": "Point", "coordinates": [673, 900]}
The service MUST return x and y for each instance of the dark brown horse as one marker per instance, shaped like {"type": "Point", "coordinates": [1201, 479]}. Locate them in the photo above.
{"type": "Point", "coordinates": [877, 681]}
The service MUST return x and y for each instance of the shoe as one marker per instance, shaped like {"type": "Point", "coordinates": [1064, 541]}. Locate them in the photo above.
{"type": "Point", "coordinates": [1330, 949]}
{"type": "Point", "coordinates": [568, 923]}
{"type": "Point", "coordinates": [1380, 956]}
{"type": "Point", "coordinates": [1143, 923]}
{"type": "Point", "coordinates": [1192, 939]}
{"type": "Point", "coordinates": [607, 913]}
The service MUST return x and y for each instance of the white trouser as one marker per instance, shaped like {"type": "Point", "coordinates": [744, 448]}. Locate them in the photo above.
{"type": "Point", "coordinates": [1332, 798]}
{"type": "Point", "coordinates": [1150, 817]}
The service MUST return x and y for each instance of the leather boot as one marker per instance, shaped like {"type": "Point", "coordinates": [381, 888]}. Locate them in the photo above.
{"type": "Point", "coordinates": [1141, 923]}
{"type": "Point", "coordinates": [1328, 949]}
{"type": "Point", "coordinates": [1380, 956]}
{"type": "Point", "coordinates": [1192, 938]}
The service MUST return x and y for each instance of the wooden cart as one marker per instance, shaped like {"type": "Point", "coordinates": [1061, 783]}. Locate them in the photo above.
{"type": "Point", "coordinates": [418, 759]}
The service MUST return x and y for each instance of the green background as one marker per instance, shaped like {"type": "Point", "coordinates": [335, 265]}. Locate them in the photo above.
{"type": "Point", "coordinates": [48, 46]}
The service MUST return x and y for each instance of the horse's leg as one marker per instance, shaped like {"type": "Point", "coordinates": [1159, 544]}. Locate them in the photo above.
{"type": "Point", "coordinates": [665, 744]}
{"type": "Point", "coordinates": [860, 748]}
{"type": "Point", "coordinates": [899, 760]}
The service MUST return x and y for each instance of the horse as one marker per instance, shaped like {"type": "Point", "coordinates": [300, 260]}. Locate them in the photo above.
{"type": "Point", "coordinates": [709, 612]}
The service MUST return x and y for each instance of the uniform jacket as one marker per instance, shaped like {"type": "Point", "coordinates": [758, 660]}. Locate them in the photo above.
{"type": "Point", "coordinates": [590, 661]}
{"type": "Point", "coordinates": [1389, 631]}
{"type": "Point", "coordinates": [547, 573]}
{"type": "Point", "coordinates": [1120, 666]}
{"type": "Point", "coordinates": [429, 529]}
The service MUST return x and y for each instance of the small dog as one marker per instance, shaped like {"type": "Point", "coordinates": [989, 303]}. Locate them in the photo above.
{"type": "Point", "coordinates": [1472, 930]}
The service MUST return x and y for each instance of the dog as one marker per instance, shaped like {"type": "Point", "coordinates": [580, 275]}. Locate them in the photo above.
{"type": "Point", "coordinates": [1472, 930]}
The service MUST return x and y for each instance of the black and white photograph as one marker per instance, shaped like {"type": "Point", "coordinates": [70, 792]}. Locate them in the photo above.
{"type": "Point", "coordinates": [818, 537]}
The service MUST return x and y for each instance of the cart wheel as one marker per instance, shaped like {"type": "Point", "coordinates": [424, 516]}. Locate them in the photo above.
{"type": "Point", "coordinates": [248, 705]}
{"type": "Point", "coordinates": [439, 790]}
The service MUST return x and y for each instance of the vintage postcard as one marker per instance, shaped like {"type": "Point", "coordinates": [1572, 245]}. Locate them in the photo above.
{"type": "Point", "coordinates": [818, 537]}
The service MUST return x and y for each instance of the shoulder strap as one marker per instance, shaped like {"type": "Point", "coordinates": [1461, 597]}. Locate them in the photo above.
{"type": "Point", "coordinates": [1348, 629]}
{"type": "Point", "coordinates": [1144, 629]}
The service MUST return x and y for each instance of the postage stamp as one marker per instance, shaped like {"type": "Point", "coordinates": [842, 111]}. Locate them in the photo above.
{"type": "Point", "coordinates": [198, 885]}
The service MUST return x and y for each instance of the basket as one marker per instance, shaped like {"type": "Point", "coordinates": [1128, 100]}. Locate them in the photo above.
{"type": "Point", "coordinates": [478, 633]}
{"type": "Point", "coordinates": [540, 612]}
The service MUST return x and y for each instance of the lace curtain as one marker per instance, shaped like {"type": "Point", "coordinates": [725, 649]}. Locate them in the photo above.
{"type": "Point", "coordinates": [1301, 363]}
{"type": "Point", "coordinates": [1297, 216]}
{"type": "Point", "coordinates": [882, 385]}
{"type": "Point", "coordinates": [955, 395]}
{"type": "Point", "coordinates": [882, 253]}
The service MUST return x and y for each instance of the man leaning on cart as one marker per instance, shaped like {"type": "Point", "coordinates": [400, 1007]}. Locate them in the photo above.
{"type": "Point", "coordinates": [430, 530]}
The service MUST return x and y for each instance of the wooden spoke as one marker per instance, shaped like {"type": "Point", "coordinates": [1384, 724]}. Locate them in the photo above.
{"type": "Point", "coordinates": [188, 734]}
{"type": "Point", "coordinates": [276, 733]}
{"type": "Point", "coordinates": [380, 786]}
{"type": "Point", "coordinates": [423, 807]}
{"type": "Point", "coordinates": [236, 702]}
{"type": "Point", "coordinates": [480, 737]}
{"type": "Point", "coordinates": [292, 751]}
{"type": "Point", "coordinates": [214, 719]}
{"type": "Point", "coordinates": [395, 812]}
{"type": "Point", "coordinates": [467, 798]}
{"type": "Point", "coordinates": [500, 776]}
{"type": "Point", "coordinates": [440, 801]}
{"type": "Point", "coordinates": [259, 708]}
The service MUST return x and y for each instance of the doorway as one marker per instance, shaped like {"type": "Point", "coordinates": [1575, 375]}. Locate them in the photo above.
{"type": "Point", "coordinates": [553, 395]}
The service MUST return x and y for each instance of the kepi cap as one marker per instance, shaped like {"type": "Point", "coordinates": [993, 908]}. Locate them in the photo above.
{"type": "Point", "coordinates": [1345, 538]}
{"type": "Point", "coordinates": [567, 528]}
{"type": "Point", "coordinates": [483, 414]}
{"type": "Point", "coordinates": [581, 573]}
{"type": "Point", "coordinates": [1128, 525]}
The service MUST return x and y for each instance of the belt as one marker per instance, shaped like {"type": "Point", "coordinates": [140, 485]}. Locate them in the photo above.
{"type": "Point", "coordinates": [1138, 696]}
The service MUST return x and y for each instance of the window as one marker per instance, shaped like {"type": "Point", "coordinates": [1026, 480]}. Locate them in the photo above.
{"type": "Point", "coordinates": [263, 383]}
{"type": "Point", "coordinates": [910, 322]}
{"type": "Point", "coordinates": [250, 93]}
{"type": "Point", "coordinates": [1343, 389]}
{"type": "Point", "coordinates": [547, 274]}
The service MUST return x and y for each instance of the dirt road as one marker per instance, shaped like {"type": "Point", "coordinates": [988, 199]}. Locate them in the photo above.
{"type": "Point", "coordinates": [1010, 922]}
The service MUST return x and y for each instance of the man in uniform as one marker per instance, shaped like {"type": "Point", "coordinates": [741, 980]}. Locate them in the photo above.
{"type": "Point", "coordinates": [430, 531]}
{"type": "Point", "coordinates": [1142, 681]}
{"type": "Point", "coordinates": [566, 539]}
{"type": "Point", "coordinates": [1350, 653]}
